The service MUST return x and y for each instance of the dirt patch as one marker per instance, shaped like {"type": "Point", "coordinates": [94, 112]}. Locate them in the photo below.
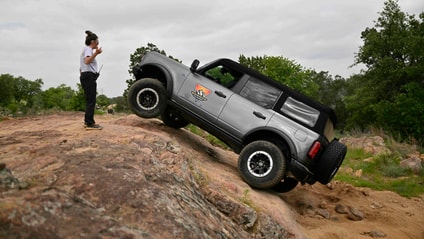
{"type": "Point", "coordinates": [137, 178]}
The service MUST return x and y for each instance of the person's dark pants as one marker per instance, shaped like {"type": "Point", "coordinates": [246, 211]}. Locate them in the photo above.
{"type": "Point", "coordinates": [89, 84]}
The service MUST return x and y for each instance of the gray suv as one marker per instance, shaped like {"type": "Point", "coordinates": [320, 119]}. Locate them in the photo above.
{"type": "Point", "coordinates": [282, 137]}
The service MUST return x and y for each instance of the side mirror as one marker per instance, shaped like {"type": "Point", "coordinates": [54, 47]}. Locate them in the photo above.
{"type": "Point", "coordinates": [194, 65]}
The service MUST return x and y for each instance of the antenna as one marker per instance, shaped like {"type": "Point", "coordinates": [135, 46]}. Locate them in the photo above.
{"type": "Point", "coordinates": [101, 68]}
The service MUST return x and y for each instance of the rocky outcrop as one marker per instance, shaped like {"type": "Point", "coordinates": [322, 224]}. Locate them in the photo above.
{"type": "Point", "coordinates": [137, 178]}
{"type": "Point", "coordinates": [376, 146]}
{"type": "Point", "coordinates": [413, 162]}
{"type": "Point", "coordinates": [371, 144]}
{"type": "Point", "coordinates": [121, 182]}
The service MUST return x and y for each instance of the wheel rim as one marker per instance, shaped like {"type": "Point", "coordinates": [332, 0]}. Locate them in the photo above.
{"type": "Point", "coordinates": [260, 163]}
{"type": "Point", "coordinates": [147, 99]}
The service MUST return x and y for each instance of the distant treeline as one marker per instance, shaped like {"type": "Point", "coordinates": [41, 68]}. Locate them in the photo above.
{"type": "Point", "coordinates": [19, 96]}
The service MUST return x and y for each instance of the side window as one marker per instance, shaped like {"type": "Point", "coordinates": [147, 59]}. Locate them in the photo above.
{"type": "Point", "coordinates": [259, 92]}
{"type": "Point", "coordinates": [300, 111]}
{"type": "Point", "coordinates": [222, 75]}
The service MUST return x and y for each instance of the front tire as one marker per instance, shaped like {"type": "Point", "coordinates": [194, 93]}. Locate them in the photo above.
{"type": "Point", "coordinates": [262, 164]}
{"type": "Point", "coordinates": [147, 98]}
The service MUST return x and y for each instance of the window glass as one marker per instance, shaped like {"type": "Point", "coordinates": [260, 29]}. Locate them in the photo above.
{"type": "Point", "coordinates": [261, 93]}
{"type": "Point", "coordinates": [221, 75]}
{"type": "Point", "coordinates": [300, 111]}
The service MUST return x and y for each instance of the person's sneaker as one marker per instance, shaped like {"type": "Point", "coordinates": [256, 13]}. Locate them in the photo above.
{"type": "Point", "coordinates": [93, 126]}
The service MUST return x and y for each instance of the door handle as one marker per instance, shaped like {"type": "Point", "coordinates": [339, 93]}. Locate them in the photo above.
{"type": "Point", "coordinates": [259, 115]}
{"type": "Point", "coordinates": [220, 94]}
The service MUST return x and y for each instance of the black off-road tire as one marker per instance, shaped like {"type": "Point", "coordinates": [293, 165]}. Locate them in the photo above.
{"type": "Point", "coordinates": [172, 118]}
{"type": "Point", "coordinates": [330, 162]}
{"type": "Point", "coordinates": [147, 98]}
{"type": "Point", "coordinates": [262, 164]}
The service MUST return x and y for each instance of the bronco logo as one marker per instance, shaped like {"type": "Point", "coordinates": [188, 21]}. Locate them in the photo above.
{"type": "Point", "coordinates": [200, 93]}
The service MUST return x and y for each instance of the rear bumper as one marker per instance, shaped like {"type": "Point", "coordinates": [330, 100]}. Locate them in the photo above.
{"type": "Point", "coordinates": [326, 165]}
{"type": "Point", "coordinates": [301, 172]}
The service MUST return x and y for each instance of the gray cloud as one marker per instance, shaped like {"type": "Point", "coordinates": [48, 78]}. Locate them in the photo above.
{"type": "Point", "coordinates": [43, 38]}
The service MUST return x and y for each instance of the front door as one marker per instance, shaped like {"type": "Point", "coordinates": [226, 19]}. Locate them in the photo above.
{"type": "Point", "coordinates": [203, 96]}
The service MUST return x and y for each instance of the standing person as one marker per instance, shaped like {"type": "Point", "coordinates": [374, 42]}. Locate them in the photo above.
{"type": "Point", "coordinates": [88, 77]}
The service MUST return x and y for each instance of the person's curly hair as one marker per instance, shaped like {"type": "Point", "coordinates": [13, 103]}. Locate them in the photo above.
{"type": "Point", "coordinates": [90, 37]}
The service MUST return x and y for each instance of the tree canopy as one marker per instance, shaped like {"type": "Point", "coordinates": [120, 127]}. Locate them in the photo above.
{"type": "Point", "coordinates": [387, 93]}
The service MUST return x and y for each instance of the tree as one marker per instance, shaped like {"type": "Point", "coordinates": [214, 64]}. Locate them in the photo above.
{"type": "Point", "coordinates": [405, 115]}
{"type": "Point", "coordinates": [102, 100]}
{"type": "Point", "coordinates": [359, 103]}
{"type": "Point", "coordinates": [393, 54]}
{"type": "Point", "coordinates": [7, 86]}
{"type": "Point", "coordinates": [332, 92]}
{"type": "Point", "coordinates": [121, 104]}
{"type": "Point", "coordinates": [58, 97]}
{"type": "Point", "coordinates": [77, 102]}
{"type": "Point", "coordinates": [18, 93]}
{"type": "Point", "coordinates": [26, 90]}
{"type": "Point", "coordinates": [389, 51]}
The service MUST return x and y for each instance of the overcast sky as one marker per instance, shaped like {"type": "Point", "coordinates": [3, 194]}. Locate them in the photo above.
{"type": "Point", "coordinates": [44, 38]}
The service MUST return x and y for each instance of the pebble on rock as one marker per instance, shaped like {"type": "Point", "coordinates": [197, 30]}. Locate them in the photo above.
{"type": "Point", "coordinates": [355, 214]}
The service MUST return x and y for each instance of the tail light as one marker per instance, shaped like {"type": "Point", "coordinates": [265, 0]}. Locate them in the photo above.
{"type": "Point", "coordinates": [313, 151]}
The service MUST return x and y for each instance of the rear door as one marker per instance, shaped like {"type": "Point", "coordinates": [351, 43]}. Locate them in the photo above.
{"type": "Point", "coordinates": [249, 108]}
{"type": "Point", "coordinates": [240, 115]}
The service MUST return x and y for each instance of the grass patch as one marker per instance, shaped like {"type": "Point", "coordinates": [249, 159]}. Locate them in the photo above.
{"type": "Point", "coordinates": [380, 172]}
{"type": "Point", "coordinates": [355, 159]}
{"type": "Point", "coordinates": [358, 181]}
{"type": "Point", "coordinates": [358, 154]}
{"type": "Point", "coordinates": [383, 171]}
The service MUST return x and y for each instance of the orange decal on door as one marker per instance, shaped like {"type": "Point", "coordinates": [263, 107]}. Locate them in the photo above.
{"type": "Point", "coordinates": [200, 93]}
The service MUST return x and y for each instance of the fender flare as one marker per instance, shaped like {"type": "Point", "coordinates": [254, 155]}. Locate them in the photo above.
{"type": "Point", "coordinates": [167, 75]}
{"type": "Point", "coordinates": [281, 135]}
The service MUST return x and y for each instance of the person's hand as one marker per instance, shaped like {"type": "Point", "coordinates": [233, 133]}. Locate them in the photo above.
{"type": "Point", "coordinates": [98, 51]}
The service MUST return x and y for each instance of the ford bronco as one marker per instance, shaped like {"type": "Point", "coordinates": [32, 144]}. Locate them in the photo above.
{"type": "Point", "coordinates": [282, 137]}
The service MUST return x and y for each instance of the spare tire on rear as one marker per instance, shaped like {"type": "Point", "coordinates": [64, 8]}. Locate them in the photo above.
{"type": "Point", "coordinates": [330, 161]}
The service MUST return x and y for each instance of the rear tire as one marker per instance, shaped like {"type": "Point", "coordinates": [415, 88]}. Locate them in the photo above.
{"type": "Point", "coordinates": [147, 98]}
{"type": "Point", "coordinates": [262, 164]}
{"type": "Point", "coordinates": [172, 118]}
{"type": "Point", "coordinates": [330, 162]}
